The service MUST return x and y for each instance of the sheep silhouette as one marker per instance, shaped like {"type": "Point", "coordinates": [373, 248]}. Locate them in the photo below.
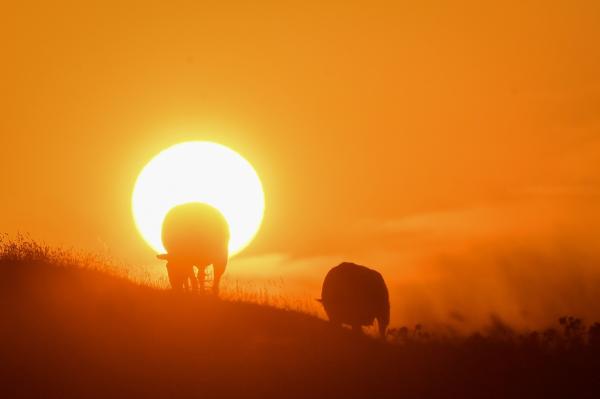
{"type": "Point", "coordinates": [356, 295]}
{"type": "Point", "coordinates": [195, 234]}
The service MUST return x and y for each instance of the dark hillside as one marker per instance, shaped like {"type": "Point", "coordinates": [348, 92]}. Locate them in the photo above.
{"type": "Point", "coordinates": [67, 331]}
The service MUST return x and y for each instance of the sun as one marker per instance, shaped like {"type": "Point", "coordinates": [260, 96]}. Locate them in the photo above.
{"type": "Point", "coordinates": [199, 171]}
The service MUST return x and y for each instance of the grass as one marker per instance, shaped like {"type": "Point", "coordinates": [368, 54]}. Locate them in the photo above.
{"type": "Point", "coordinates": [72, 326]}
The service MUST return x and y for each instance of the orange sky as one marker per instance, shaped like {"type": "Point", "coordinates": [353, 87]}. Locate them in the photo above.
{"type": "Point", "coordinates": [384, 132]}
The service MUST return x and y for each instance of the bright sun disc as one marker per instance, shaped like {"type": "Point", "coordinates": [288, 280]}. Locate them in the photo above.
{"type": "Point", "coordinates": [199, 171]}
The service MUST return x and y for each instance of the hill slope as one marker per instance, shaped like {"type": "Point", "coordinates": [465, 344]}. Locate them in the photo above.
{"type": "Point", "coordinates": [72, 332]}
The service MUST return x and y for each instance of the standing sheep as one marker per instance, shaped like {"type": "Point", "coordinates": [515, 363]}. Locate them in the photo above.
{"type": "Point", "coordinates": [195, 234]}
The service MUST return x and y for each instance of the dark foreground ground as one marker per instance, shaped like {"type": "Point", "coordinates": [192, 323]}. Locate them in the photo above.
{"type": "Point", "coordinates": [71, 332]}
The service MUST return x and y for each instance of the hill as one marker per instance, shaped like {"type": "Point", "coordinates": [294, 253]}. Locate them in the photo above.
{"type": "Point", "coordinates": [71, 331]}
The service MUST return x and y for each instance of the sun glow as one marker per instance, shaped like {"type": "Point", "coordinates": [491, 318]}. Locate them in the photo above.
{"type": "Point", "coordinates": [199, 171]}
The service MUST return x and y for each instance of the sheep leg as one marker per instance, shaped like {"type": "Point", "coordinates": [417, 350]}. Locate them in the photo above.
{"type": "Point", "coordinates": [193, 279]}
{"type": "Point", "coordinates": [218, 270]}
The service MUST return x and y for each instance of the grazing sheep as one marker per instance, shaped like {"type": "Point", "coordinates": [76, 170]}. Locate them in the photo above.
{"type": "Point", "coordinates": [195, 234]}
{"type": "Point", "coordinates": [356, 295]}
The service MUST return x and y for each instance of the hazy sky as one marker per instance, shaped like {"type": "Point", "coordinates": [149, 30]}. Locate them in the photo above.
{"type": "Point", "coordinates": [384, 132]}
